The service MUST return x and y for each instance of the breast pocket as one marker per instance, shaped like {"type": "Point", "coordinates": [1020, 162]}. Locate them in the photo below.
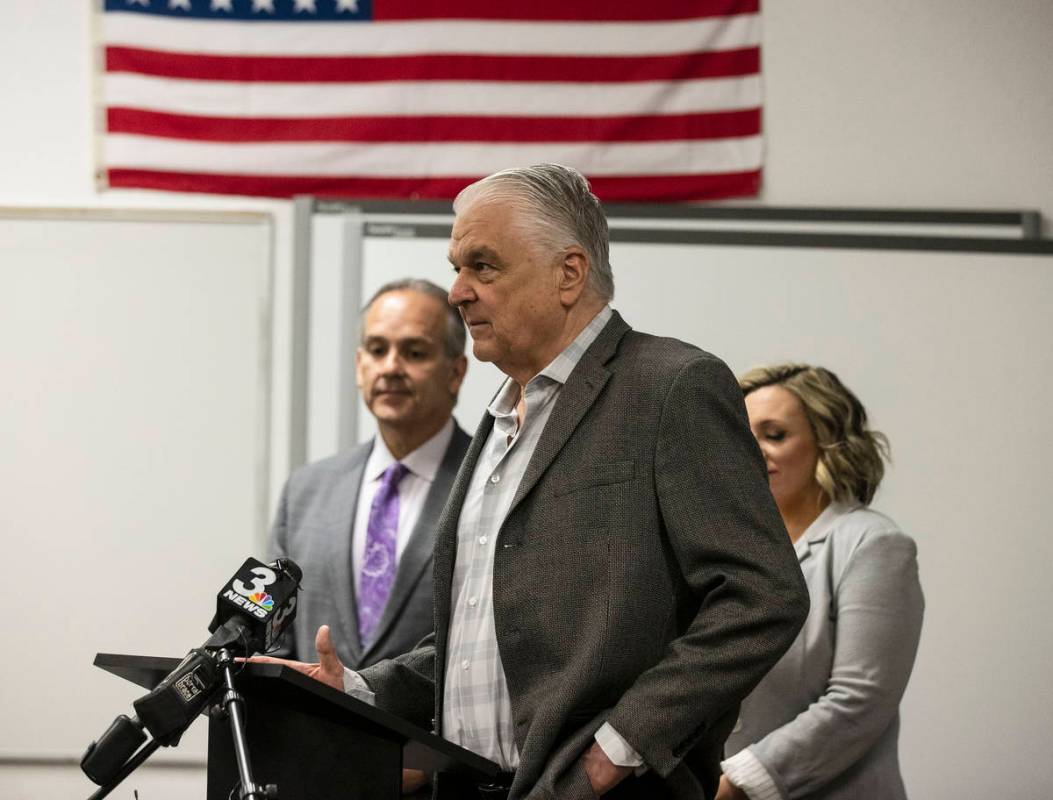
{"type": "Point", "coordinates": [605, 474]}
{"type": "Point", "coordinates": [597, 496]}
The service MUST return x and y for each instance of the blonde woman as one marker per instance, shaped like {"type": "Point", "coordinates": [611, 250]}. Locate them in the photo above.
{"type": "Point", "coordinates": [824, 722]}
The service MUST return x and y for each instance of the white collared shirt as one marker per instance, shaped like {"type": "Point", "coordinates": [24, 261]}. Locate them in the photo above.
{"type": "Point", "coordinates": [423, 465]}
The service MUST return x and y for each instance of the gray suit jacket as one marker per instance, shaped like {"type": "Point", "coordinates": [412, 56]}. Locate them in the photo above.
{"type": "Point", "coordinates": [642, 575]}
{"type": "Point", "coordinates": [313, 528]}
{"type": "Point", "coordinates": [825, 720]}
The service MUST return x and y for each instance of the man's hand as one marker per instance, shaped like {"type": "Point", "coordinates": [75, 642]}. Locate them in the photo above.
{"type": "Point", "coordinates": [413, 780]}
{"type": "Point", "coordinates": [729, 791]}
{"type": "Point", "coordinates": [603, 775]}
{"type": "Point", "coordinates": [329, 669]}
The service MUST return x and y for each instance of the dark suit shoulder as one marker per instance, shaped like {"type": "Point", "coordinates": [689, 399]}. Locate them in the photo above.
{"type": "Point", "coordinates": [655, 362]}
{"type": "Point", "coordinates": [664, 349]}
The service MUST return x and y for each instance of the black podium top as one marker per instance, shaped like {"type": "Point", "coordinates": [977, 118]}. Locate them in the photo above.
{"type": "Point", "coordinates": [420, 750]}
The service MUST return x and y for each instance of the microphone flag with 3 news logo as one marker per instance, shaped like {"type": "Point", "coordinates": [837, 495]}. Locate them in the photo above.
{"type": "Point", "coordinates": [261, 598]}
{"type": "Point", "coordinates": [252, 611]}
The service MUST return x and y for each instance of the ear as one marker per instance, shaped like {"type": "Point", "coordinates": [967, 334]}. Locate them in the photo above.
{"type": "Point", "coordinates": [457, 370]}
{"type": "Point", "coordinates": [359, 379]}
{"type": "Point", "coordinates": [573, 275]}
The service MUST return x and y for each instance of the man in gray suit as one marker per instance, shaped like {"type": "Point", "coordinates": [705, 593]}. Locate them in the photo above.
{"type": "Point", "coordinates": [611, 574]}
{"type": "Point", "coordinates": [376, 594]}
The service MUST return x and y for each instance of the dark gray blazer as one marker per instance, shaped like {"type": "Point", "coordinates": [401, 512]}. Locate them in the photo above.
{"type": "Point", "coordinates": [313, 528]}
{"type": "Point", "coordinates": [642, 576]}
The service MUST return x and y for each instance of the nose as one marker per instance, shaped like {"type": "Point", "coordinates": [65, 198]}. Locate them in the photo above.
{"type": "Point", "coordinates": [461, 291]}
{"type": "Point", "coordinates": [765, 448]}
{"type": "Point", "coordinates": [391, 364]}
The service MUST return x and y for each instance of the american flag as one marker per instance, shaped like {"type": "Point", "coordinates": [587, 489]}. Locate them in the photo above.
{"type": "Point", "coordinates": [654, 100]}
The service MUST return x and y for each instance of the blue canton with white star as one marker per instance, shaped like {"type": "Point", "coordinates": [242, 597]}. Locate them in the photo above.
{"type": "Point", "coordinates": [251, 10]}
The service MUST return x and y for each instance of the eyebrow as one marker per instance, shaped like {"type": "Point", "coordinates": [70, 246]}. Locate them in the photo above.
{"type": "Point", "coordinates": [409, 340]}
{"type": "Point", "coordinates": [484, 253]}
{"type": "Point", "coordinates": [766, 421]}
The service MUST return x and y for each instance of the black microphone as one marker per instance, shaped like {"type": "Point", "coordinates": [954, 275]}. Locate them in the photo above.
{"type": "Point", "coordinates": [253, 609]}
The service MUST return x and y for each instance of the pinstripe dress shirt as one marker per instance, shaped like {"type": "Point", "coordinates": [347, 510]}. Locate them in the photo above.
{"type": "Point", "coordinates": [477, 711]}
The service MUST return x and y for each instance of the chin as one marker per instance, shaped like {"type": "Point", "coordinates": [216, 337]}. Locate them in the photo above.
{"type": "Point", "coordinates": [390, 414]}
{"type": "Point", "coordinates": [483, 352]}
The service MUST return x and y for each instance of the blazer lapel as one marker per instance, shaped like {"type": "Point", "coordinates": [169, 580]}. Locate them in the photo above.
{"type": "Point", "coordinates": [576, 398]}
{"type": "Point", "coordinates": [817, 532]}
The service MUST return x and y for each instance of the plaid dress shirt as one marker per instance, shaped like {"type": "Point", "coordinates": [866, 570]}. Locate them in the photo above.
{"type": "Point", "coordinates": [477, 711]}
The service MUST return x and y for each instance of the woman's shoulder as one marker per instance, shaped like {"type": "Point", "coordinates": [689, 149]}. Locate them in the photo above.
{"type": "Point", "coordinates": [856, 526]}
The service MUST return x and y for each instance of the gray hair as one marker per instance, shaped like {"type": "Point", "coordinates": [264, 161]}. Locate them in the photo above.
{"type": "Point", "coordinates": [561, 209]}
{"type": "Point", "coordinates": [455, 337]}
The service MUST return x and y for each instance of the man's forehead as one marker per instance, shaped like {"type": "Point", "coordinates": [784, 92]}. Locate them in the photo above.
{"type": "Point", "coordinates": [480, 229]}
{"type": "Point", "coordinates": [406, 307]}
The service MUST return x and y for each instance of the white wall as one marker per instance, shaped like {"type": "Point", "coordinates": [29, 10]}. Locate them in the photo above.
{"type": "Point", "coordinates": [899, 104]}
{"type": "Point", "coordinates": [943, 103]}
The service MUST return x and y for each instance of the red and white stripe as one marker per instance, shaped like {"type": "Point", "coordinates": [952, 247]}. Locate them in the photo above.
{"type": "Point", "coordinates": [660, 102]}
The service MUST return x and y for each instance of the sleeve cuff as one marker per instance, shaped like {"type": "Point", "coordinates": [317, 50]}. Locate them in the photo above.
{"type": "Point", "coordinates": [747, 772]}
{"type": "Point", "coordinates": [356, 686]}
{"type": "Point", "coordinates": [619, 751]}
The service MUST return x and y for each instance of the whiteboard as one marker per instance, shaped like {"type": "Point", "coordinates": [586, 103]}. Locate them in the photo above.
{"type": "Point", "coordinates": [950, 352]}
{"type": "Point", "coordinates": [135, 360]}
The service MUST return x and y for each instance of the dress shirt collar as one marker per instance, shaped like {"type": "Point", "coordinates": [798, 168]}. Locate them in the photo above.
{"type": "Point", "coordinates": [557, 372]}
{"type": "Point", "coordinates": [423, 462]}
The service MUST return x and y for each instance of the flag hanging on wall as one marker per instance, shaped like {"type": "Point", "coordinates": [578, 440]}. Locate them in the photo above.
{"type": "Point", "coordinates": [654, 100]}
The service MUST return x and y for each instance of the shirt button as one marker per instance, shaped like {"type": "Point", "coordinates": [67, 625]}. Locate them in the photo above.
{"type": "Point", "coordinates": [495, 478]}
{"type": "Point", "coordinates": [483, 540]}
{"type": "Point", "coordinates": [472, 601]}
{"type": "Point", "coordinates": [465, 664]}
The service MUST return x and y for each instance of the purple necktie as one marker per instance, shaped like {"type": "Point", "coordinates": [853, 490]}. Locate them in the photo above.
{"type": "Point", "coordinates": [378, 561]}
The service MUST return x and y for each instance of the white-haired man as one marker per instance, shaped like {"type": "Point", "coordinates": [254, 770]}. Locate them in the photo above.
{"type": "Point", "coordinates": [611, 574]}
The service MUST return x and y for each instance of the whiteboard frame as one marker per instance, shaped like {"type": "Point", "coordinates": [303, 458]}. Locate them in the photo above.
{"type": "Point", "coordinates": [934, 230]}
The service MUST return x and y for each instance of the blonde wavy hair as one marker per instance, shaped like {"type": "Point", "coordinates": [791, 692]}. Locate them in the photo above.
{"type": "Point", "coordinates": [851, 456]}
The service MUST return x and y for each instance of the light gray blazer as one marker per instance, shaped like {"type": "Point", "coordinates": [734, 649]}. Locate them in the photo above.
{"type": "Point", "coordinates": [825, 720]}
{"type": "Point", "coordinates": [313, 528]}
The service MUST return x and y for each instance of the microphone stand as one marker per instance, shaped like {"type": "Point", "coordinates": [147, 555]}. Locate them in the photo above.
{"type": "Point", "coordinates": [233, 705]}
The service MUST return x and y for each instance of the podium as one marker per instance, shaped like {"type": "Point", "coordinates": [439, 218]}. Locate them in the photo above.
{"type": "Point", "coordinates": [315, 742]}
